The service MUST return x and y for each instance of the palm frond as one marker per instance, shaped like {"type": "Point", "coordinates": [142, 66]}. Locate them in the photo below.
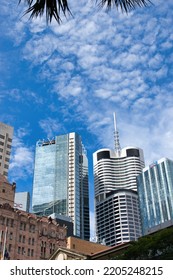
{"type": "Point", "coordinates": [52, 8]}
{"type": "Point", "coordinates": [123, 5]}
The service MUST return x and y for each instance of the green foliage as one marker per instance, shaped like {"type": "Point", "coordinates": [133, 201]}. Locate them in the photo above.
{"type": "Point", "coordinates": [157, 246]}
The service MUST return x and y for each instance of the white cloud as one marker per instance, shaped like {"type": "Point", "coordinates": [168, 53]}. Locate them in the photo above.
{"type": "Point", "coordinates": [22, 157]}
{"type": "Point", "coordinates": [94, 64]}
{"type": "Point", "coordinates": [51, 127]}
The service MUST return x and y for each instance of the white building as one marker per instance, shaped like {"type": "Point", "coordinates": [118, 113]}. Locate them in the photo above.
{"type": "Point", "coordinates": [116, 199]}
{"type": "Point", "coordinates": [22, 201]}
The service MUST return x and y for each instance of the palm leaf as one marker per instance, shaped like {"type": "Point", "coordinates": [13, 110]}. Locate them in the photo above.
{"type": "Point", "coordinates": [124, 5]}
{"type": "Point", "coordinates": [54, 8]}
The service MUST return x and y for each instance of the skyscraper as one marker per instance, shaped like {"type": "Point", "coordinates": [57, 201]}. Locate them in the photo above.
{"type": "Point", "coordinates": [6, 135]}
{"type": "Point", "coordinates": [155, 189]}
{"type": "Point", "coordinates": [116, 199]}
{"type": "Point", "coordinates": [61, 181]}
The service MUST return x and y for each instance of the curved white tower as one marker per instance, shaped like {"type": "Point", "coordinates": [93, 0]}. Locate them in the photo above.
{"type": "Point", "coordinates": [115, 173]}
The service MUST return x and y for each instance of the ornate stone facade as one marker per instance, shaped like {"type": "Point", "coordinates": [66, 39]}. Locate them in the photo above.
{"type": "Point", "coordinates": [25, 236]}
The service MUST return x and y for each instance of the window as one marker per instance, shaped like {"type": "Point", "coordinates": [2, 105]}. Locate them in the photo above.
{"type": "Point", "coordinates": [7, 222]}
{"type": "Point", "coordinates": [32, 228]}
{"type": "Point", "coordinates": [2, 221]}
{"type": "Point", "coordinates": [5, 166]}
{"type": "Point", "coordinates": [12, 222]}
{"type": "Point", "coordinates": [22, 226]}
{"type": "Point", "coordinates": [50, 248]}
{"type": "Point", "coordinates": [9, 247]}
{"type": "Point", "coordinates": [11, 235]}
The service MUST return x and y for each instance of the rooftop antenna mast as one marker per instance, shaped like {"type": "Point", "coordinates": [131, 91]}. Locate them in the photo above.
{"type": "Point", "coordinates": [116, 137]}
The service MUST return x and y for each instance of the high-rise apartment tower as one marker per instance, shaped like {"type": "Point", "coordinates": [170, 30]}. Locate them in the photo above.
{"type": "Point", "coordinates": [116, 199]}
{"type": "Point", "coordinates": [6, 135]}
{"type": "Point", "coordinates": [61, 181]}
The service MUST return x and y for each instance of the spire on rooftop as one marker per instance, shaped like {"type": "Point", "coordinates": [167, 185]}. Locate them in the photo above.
{"type": "Point", "coordinates": [116, 137]}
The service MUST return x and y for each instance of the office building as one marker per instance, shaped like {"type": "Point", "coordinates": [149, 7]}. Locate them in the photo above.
{"type": "Point", "coordinates": [61, 181]}
{"type": "Point", "coordinates": [118, 217]}
{"type": "Point", "coordinates": [6, 135]}
{"type": "Point", "coordinates": [22, 201]}
{"type": "Point", "coordinates": [155, 189]}
{"type": "Point", "coordinates": [116, 199]}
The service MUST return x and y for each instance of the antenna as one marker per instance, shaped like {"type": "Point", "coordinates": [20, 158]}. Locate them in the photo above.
{"type": "Point", "coordinates": [116, 137]}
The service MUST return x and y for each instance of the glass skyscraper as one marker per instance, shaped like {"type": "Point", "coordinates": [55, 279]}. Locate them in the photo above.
{"type": "Point", "coordinates": [155, 189]}
{"type": "Point", "coordinates": [61, 181]}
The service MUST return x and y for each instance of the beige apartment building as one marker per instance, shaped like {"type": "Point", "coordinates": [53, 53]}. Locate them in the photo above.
{"type": "Point", "coordinates": [6, 135]}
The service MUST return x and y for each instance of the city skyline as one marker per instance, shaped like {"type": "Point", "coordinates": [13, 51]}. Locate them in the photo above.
{"type": "Point", "coordinates": [71, 78]}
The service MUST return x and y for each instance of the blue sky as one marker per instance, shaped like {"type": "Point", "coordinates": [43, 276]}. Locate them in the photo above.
{"type": "Point", "coordinates": [59, 79]}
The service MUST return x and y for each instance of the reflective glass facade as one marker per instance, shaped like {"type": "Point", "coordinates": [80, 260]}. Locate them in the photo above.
{"type": "Point", "coordinates": [155, 189]}
{"type": "Point", "coordinates": [60, 179]}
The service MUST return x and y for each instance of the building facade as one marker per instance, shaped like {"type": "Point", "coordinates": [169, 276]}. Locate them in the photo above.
{"type": "Point", "coordinates": [61, 181]}
{"type": "Point", "coordinates": [155, 189]}
{"type": "Point", "coordinates": [6, 135]}
{"type": "Point", "coordinates": [118, 217]}
{"type": "Point", "coordinates": [22, 201]}
{"type": "Point", "coordinates": [28, 237]}
{"type": "Point", "coordinates": [7, 191]}
{"type": "Point", "coordinates": [116, 198]}
{"type": "Point", "coordinates": [25, 236]}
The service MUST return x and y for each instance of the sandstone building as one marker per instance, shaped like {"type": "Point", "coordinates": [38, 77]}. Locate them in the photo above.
{"type": "Point", "coordinates": [25, 236]}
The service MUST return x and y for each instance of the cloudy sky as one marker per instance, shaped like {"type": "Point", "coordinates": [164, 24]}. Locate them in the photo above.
{"type": "Point", "coordinates": [59, 79]}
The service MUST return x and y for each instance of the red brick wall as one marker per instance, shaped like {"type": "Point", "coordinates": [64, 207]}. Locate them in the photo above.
{"type": "Point", "coordinates": [30, 237]}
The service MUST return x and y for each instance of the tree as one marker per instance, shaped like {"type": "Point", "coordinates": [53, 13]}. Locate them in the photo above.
{"type": "Point", "coordinates": [156, 246]}
{"type": "Point", "coordinates": [54, 8]}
